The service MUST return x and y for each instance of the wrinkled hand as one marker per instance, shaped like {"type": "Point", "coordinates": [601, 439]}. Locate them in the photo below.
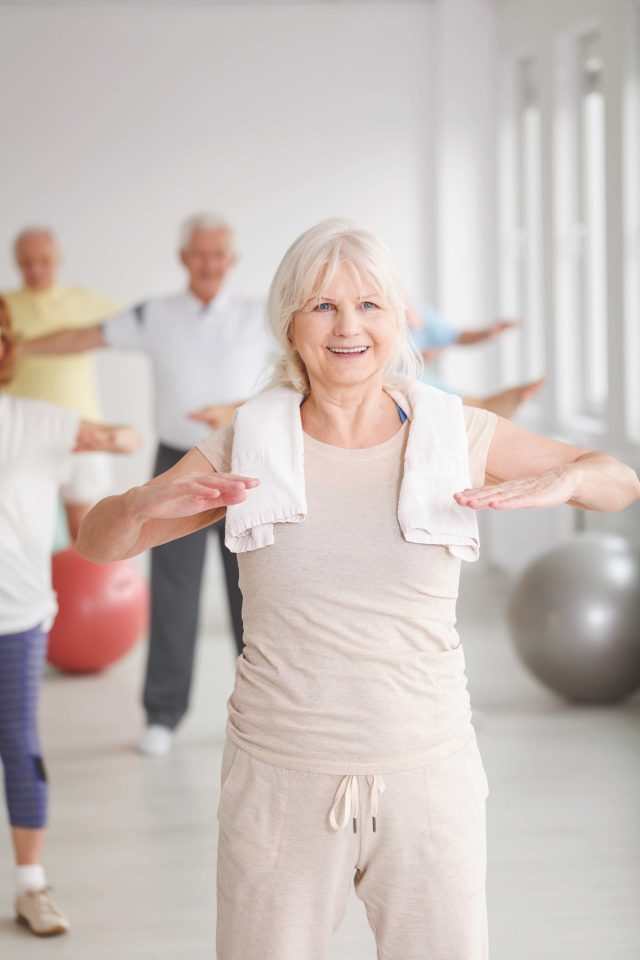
{"type": "Point", "coordinates": [190, 494]}
{"type": "Point", "coordinates": [215, 415]}
{"type": "Point", "coordinates": [550, 489]}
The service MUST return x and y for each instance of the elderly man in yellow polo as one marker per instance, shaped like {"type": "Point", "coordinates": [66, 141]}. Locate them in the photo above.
{"type": "Point", "coordinates": [42, 306]}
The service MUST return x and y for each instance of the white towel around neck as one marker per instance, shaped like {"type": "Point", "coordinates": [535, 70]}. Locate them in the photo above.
{"type": "Point", "coordinates": [268, 443]}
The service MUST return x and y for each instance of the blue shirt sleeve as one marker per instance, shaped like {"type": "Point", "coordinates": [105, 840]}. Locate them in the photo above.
{"type": "Point", "coordinates": [436, 332]}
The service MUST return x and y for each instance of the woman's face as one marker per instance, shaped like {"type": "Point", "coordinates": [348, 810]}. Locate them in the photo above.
{"type": "Point", "coordinates": [346, 336]}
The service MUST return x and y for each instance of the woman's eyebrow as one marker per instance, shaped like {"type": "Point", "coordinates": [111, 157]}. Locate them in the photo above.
{"type": "Point", "coordinates": [362, 296]}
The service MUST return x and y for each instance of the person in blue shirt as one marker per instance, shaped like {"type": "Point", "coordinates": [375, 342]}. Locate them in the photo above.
{"type": "Point", "coordinates": [432, 333]}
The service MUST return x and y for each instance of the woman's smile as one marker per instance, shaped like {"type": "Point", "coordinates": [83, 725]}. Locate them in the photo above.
{"type": "Point", "coordinates": [343, 353]}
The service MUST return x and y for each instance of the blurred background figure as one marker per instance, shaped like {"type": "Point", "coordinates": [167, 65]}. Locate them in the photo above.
{"type": "Point", "coordinates": [37, 440]}
{"type": "Point", "coordinates": [208, 350]}
{"type": "Point", "coordinates": [41, 306]}
{"type": "Point", "coordinates": [432, 333]}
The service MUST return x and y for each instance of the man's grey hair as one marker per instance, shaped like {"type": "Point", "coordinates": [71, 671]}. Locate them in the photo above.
{"type": "Point", "coordinates": [202, 221]}
{"type": "Point", "coordinates": [34, 230]}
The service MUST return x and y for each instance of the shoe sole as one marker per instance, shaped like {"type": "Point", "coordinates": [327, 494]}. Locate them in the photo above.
{"type": "Point", "coordinates": [53, 932]}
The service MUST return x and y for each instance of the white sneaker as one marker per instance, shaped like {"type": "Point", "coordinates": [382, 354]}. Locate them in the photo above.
{"type": "Point", "coordinates": [36, 910]}
{"type": "Point", "coordinates": [156, 741]}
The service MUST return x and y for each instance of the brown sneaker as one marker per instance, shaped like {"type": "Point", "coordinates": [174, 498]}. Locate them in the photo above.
{"type": "Point", "coordinates": [36, 910]}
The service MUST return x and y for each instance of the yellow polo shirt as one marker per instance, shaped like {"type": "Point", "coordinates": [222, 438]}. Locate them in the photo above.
{"type": "Point", "coordinates": [67, 379]}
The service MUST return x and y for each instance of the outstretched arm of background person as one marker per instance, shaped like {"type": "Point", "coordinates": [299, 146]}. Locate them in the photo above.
{"type": "Point", "coordinates": [468, 337]}
{"type": "Point", "coordinates": [216, 415]}
{"type": "Point", "coordinates": [189, 496]}
{"type": "Point", "coordinates": [71, 340]}
{"type": "Point", "coordinates": [106, 438]}
{"type": "Point", "coordinates": [527, 471]}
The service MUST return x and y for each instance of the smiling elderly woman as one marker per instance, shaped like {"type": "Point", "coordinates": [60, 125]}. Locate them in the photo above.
{"type": "Point", "coordinates": [350, 757]}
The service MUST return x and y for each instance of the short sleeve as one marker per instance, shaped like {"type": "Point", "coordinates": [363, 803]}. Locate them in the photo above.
{"type": "Point", "coordinates": [437, 332]}
{"type": "Point", "coordinates": [88, 479]}
{"type": "Point", "coordinates": [44, 431]}
{"type": "Point", "coordinates": [481, 425]}
{"type": "Point", "coordinates": [217, 449]}
{"type": "Point", "coordinates": [127, 330]}
{"type": "Point", "coordinates": [96, 307]}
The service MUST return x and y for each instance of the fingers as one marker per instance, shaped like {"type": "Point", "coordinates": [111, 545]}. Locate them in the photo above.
{"type": "Point", "coordinates": [222, 495]}
{"type": "Point", "coordinates": [203, 415]}
{"type": "Point", "coordinates": [203, 492]}
{"type": "Point", "coordinates": [247, 481]}
{"type": "Point", "coordinates": [482, 493]}
{"type": "Point", "coordinates": [529, 492]}
{"type": "Point", "coordinates": [530, 390]}
{"type": "Point", "coordinates": [219, 479]}
{"type": "Point", "coordinates": [214, 416]}
{"type": "Point", "coordinates": [224, 488]}
{"type": "Point", "coordinates": [506, 323]}
{"type": "Point", "coordinates": [202, 418]}
{"type": "Point", "coordinates": [127, 439]}
{"type": "Point", "coordinates": [497, 495]}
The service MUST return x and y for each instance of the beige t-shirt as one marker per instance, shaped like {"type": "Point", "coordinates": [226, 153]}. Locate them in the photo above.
{"type": "Point", "coordinates": [352, 661]}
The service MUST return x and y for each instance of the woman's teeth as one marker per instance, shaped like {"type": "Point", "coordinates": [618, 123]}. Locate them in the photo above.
{"type": "Point", "coordinates": [348, 349]}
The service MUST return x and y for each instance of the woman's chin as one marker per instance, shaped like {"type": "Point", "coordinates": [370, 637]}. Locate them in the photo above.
{"type": "Point", "coordinates": [351, 377]}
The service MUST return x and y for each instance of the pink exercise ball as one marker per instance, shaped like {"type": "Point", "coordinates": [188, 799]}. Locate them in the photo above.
{"type": "Point", "coordinates": [103, 610]}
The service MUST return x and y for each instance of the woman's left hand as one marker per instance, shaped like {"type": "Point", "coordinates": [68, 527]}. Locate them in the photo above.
{"type": "Point", "coordinates": [550, 489]}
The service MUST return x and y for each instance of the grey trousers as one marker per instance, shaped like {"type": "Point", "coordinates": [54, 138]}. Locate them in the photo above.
{"type": "Point", "coordinates": [176, 579]}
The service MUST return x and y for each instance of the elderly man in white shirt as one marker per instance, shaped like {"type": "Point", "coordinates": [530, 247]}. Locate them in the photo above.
{"type": "Point", "coordinates": [208, 350]}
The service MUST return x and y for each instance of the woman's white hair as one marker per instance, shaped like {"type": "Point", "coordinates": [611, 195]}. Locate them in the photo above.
{"type": "Point", "coordinates": [308, 268]}
{"type": "Point", "coordinates": [202, 221]}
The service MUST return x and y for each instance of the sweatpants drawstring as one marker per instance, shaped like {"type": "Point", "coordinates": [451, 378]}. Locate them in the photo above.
{"type": "Point", "coordinates": [347, 789]}
{"type": "Point", "coordinates": [349, 795]}
{"type": "Point", "coordinates": [376, 784]}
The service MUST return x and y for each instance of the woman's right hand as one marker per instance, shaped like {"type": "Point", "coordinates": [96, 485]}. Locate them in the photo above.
{"type": "Point", "coordinates": [189, 494]}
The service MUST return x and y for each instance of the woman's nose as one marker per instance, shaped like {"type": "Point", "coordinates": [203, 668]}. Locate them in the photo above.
{"type": "Point", "coordinates": [346, 322]}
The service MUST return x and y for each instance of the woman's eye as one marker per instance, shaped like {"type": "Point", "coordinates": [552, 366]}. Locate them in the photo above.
{"type": "Point", "coordinates": [324, 307]}
{"type": "Point", "coordinates": [368, 305]}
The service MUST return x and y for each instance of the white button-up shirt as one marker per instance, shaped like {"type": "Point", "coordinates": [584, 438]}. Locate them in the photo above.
{"type": "Point", "coordinates": [201, 354]}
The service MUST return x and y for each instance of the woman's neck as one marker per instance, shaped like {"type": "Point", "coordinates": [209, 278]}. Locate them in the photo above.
{"type": "Point", "coordinates": [355, 418]}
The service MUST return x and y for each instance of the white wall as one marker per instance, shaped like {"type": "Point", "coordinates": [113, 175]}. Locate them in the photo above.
{"type": "Point", "coordinates": [122, 120]}
{"type": "Point", "coordinates": [466, 184]}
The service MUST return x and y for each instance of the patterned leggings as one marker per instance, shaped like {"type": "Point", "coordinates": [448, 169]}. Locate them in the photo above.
{"type": "Point", "coordinates": [21, 664]}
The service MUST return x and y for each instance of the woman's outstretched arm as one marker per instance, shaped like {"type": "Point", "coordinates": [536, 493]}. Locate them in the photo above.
{"type": "Point", "coordinates": [526, 471]}
{"type": "Point", "coordinates": [187, 497]}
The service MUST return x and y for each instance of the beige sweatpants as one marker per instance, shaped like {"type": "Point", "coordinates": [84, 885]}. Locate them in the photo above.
{"type": "Point", "coordinates": [285, 873]}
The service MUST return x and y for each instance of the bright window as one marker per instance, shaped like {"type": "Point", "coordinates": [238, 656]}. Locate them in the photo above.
{"type": "Point", "coordinates": [632, 231]}
{"type": "Point", "coordinates": [530, 210]}
{"type": "Point", "coordinates": [592, 326]}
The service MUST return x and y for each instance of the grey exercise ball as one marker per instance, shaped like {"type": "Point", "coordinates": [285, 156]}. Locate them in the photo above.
{"type": "Point", "coordinates": [575, 619]}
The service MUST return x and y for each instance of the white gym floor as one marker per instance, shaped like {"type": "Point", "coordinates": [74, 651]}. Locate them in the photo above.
{"type": "Point", "coordinates": [132, 846]}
